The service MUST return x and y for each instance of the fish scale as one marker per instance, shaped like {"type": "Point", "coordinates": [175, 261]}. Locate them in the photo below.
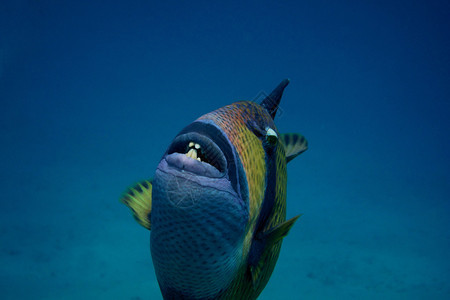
{"type": "Point", "coordinates": [191, 226]}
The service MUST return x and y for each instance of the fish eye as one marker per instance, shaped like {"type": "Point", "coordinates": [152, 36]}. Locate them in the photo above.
{"type": "Point", "coordinates": [271, 136]}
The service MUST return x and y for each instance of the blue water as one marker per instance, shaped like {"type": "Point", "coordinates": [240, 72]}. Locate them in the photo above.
{"type": "Point", "coordinates": [92, 94]}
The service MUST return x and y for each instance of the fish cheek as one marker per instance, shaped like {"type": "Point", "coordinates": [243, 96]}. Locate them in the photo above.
{"type": "Point", "coordinates": [197, 228]}
{"type": "Point", "coordinates": [178, 191]}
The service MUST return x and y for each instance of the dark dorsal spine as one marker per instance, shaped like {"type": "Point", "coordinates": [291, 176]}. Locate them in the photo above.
{"type": "Point", "coordinates": [271, 102]}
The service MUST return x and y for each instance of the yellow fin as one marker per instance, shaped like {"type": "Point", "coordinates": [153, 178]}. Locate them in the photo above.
{"type": "Point", "coordinates": [139, 200]}
{"type": "Point", "coordinates": [294, 144]}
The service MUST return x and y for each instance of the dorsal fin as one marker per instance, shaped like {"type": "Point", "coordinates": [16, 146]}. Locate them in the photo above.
{"type": "Point", "coordinates": [294, 144]}
{"type": "Point", "coordinates": [271, 102]}
{"type": "Point", "coordinates": [139, 201]}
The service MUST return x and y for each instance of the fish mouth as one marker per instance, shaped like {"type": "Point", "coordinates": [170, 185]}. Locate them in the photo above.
{"type": "Point", "coordinates": [198, 154]}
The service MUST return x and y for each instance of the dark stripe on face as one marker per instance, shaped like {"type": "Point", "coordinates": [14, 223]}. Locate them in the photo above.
{"type": "Point", "coordinates": [271, 184]}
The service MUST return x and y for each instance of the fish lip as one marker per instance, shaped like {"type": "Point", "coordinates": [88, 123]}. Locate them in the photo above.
{"type": "Point", "coordinates": [213, 164]}
{"type": "Point", "coordinates": [183, 163]}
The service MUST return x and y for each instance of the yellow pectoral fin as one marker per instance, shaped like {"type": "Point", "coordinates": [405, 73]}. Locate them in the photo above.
{"type": "Point", "coordinates": [139, 200]}
{"type": "Point", "coordinates": [294, 144]}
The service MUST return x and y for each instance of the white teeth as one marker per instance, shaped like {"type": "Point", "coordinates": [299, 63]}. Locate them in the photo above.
{"type": "Point", "coordinates": [192, 154]}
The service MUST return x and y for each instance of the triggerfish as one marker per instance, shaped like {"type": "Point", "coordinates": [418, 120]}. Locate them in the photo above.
{"type": "Point", "coordinates": [216, 206]}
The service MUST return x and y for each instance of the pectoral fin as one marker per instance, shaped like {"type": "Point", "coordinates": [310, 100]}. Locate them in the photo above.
{"type": "Point", "coordinates": [294, 144]}
{"type": "Point", "coordinates": [278, 232]}
{"type": "Point", "coordinates": [263, 243]}
{"type": "Point", "coordinates": [139, 201]}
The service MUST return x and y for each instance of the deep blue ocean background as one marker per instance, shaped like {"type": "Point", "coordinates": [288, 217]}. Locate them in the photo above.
{"type": "Point", "coordinates": [93, 93]}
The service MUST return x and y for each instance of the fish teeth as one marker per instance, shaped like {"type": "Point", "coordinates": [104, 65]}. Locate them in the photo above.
{"type": "Point", "coordinates": [192, 154]}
